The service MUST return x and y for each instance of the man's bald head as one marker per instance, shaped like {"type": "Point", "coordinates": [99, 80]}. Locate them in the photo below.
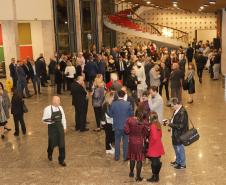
{"type": "Point", "coordinates": [56, 101]}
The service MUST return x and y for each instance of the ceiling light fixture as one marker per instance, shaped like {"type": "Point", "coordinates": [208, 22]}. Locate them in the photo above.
{"type": "Point", "coordinates": [201, 7]}
{"type": "Point", "coordinates": [175, 4]}
{"type": "Point", "coordinates": [148, 2]}
{"type": "Point", "coordinates": [205, 5]}
{"type": "Point", "coordinates": [212, 1]}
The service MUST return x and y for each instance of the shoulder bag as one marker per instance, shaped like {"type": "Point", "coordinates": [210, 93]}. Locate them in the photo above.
{"type": "Point", "coordinates": [190, 136]}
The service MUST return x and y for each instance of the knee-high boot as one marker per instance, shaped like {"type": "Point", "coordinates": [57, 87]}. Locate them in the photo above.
{"type": "Point", "coordinates": [139, 167]}
{"type": "Point", "coordinates": [154, 178]}
{"type": "Point", "coordinates": [132, 165]}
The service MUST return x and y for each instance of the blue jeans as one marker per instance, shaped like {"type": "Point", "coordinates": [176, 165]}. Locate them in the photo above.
{"type": "Point", "coordinates": [180, 154]}
{"type": "Point", "coordinates": [119, 134]}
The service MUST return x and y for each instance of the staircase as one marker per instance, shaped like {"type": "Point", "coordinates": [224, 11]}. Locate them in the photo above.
{"type": "Point", "coordinates": [128, 22]}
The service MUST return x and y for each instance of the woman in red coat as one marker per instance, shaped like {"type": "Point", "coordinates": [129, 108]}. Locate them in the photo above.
{"type": "Point", "coordinates": [155, 148]}
{"type": "Point", "coordinates": [136, 128]}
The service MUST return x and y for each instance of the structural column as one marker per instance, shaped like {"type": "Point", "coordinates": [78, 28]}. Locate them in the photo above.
{"type": "Point", "coordinates": [99, 23]}
{"type": "Point", "coordinates": [78, 25]}
{"type": "Point", "coordinates": [10, 40]}
{"type": "Point", "coordinates": [223, 40]}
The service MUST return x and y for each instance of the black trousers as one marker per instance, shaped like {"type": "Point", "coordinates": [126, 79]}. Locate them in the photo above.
{"type": "Point", "coordinates": [61, 157]}
{"type": "Point", "coordinates": [199, 72]}
{"type": "Point", "coordinates": [98, 113]}
{"type": "Point", "coordinates": [166, 85]}
{"type": "Point", "coordinates": [58, 88]}
{"type": "Point", "coordinates": [64, 83]}
{"type": "Point", "coordinates": [80, 118]}
{"type": "Point", "coordinates": [109, 136]}
{"type": "Point", "coordinates": [69, 82]}
{"type": "Point", "coordinates": [19, 119]}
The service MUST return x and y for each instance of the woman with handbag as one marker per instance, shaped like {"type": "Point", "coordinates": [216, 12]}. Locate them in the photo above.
{"type": "Point", "coordinates": [136, 128]}
{"type": "Point", "coordinates": [18, 109]}
{"type": "Point", "coordinates": [70, 74]}
{"type": "Point", "coordinates": [155, 148]}
{"type": "Point", "coordinates": [98, 99]}
{"type": "Point", "coordinates": [191, 82]}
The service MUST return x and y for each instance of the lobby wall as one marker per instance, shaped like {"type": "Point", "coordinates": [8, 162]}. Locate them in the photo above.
{"type": "Point", "coordinates": [184, 21]}
{"type": "Point", "coordinates": [38, 34]}
{"type": "Point", "coordinates": [223, 40]}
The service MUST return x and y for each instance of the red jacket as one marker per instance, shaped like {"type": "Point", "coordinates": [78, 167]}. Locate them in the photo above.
{"type": "Point", "coordinates": [155, 148]}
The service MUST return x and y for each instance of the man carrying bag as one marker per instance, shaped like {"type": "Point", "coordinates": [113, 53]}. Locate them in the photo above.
{"type": "Point", "coordinates": [179, 125]}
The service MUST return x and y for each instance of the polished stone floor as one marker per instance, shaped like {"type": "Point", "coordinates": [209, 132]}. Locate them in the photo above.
{"type": "Point", "coordinates": [23, 159]}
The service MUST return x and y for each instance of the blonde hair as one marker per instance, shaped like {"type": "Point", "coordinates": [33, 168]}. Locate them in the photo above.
{"type": "Point", "coordinates": [109, 97]}
{"type": "Point", "coordinates": [114, 77]}
{"type": "Point", "coordinates": [98, 82]}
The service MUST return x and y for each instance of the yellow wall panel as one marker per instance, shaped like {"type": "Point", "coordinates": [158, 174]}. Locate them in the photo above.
{"type": "Point", "coordinates": [24, 33]}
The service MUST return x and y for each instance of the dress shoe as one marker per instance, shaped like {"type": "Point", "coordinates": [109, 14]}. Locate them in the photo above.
{"type": "Point", "coordinates": [179, 167]}
{"type": "Point", "coordinates": [16, 134]}
{"type": "Point", "coordinates": [139, 179]}
{"type": "Point", "coordinates": [85, 130]}
{"type": "Point", "coordinates": [63, 164]}
{"type": "Point", "coordinates": [2, 136]}
{"type": "Point", "coordinates": [50, 157]}
{"type": "Point", "coordinates": [7, 129]}
{"type": "Point", "coordinates": [173, 163]}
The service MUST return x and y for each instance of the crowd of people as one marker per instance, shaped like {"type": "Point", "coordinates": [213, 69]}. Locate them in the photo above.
{"type": "Point", "coordinates": [126, 87]}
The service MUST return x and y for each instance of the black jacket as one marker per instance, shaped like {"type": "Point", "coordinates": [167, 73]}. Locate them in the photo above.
{"type": "Point", "coordinates": [200, 62]}
{"type": "Point", "coordinates": [12, 69]}
{"type": "Point", "coordinates": [17, 106]}
{"type": "Point", "coordinates": [179, 125]}
{"type": "Point", "coordinates": [78, 95]}
{"type": "Point", "coordinates": [165, 73]}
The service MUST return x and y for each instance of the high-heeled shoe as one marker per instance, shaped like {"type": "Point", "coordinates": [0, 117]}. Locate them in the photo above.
{"type": "Point", "coordinates": [7, 129]}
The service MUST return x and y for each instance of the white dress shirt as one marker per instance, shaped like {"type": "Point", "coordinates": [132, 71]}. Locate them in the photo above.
{"type": "Point", "coordinates": [48, 112]}
{"type": "Point", "coordinates": [70, 70]}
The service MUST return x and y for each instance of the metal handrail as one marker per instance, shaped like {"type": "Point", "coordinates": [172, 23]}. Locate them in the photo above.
{"type": "Point", "coordinates": [155, 28]}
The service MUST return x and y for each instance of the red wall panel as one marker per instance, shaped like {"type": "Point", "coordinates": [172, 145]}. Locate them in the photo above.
{"type": "Point", "coordinates": [25, 51]}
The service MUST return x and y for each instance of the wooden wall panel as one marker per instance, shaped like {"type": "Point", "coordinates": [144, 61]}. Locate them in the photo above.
{"type": "Point", "coordinates": [24, 33]}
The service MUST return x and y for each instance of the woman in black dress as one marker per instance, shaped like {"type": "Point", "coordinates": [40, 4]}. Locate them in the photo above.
{"type": "Point", "coordinates": [17, 112]}
{"type": "Point", "coordinates": [191, 82]}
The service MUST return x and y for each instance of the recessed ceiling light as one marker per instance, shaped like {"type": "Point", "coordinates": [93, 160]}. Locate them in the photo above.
{"type": "Point", "coordinates": [175, 4]}
{"type": "Point", "coordinates": [201, 7]}
{"type": "Point", "coordinates": [205, 5]}
{"type": "Point", "coordinates": [212, 1]}
{"type": "Point", "coordinates": [148, 2]}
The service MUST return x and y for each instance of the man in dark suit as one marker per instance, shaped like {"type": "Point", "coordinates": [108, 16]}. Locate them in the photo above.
{"type": "Point", "coordinates": [200, 64]}
{"type": "Point", "coordinates": [120, 111]}
{"type": "Point", "coordinates": [27, 69]}
{"type": "Point", "coordinates": [13, 74]}
{"type": "Point", "coordinates": [79, 101]}
{"type": "Point", "coordinates": [35, 77]}
{"type": "Point", "coordinates": [22, 81]}
{"type": "Point", "coordinates": [189, 53]}
{"type": "Point", "coordinates": [121, 68]}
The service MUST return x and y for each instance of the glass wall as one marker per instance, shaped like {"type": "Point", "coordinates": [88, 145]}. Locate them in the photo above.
{"type": "Point", "coordinates": [64, 26]}
{"type": "Point", "coordinates": [109, 36]}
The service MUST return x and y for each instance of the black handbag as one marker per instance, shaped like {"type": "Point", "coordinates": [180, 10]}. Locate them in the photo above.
{"type": "Point", "coordinates": [25, 109]}
{"type": "Point", "coordinates": [190, 136]}
{"type": "Point", "coordinates": [185, 84]}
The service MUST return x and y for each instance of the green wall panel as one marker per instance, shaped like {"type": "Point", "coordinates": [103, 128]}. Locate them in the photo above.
{"type": "Point", "coordinates": [1, 54]}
